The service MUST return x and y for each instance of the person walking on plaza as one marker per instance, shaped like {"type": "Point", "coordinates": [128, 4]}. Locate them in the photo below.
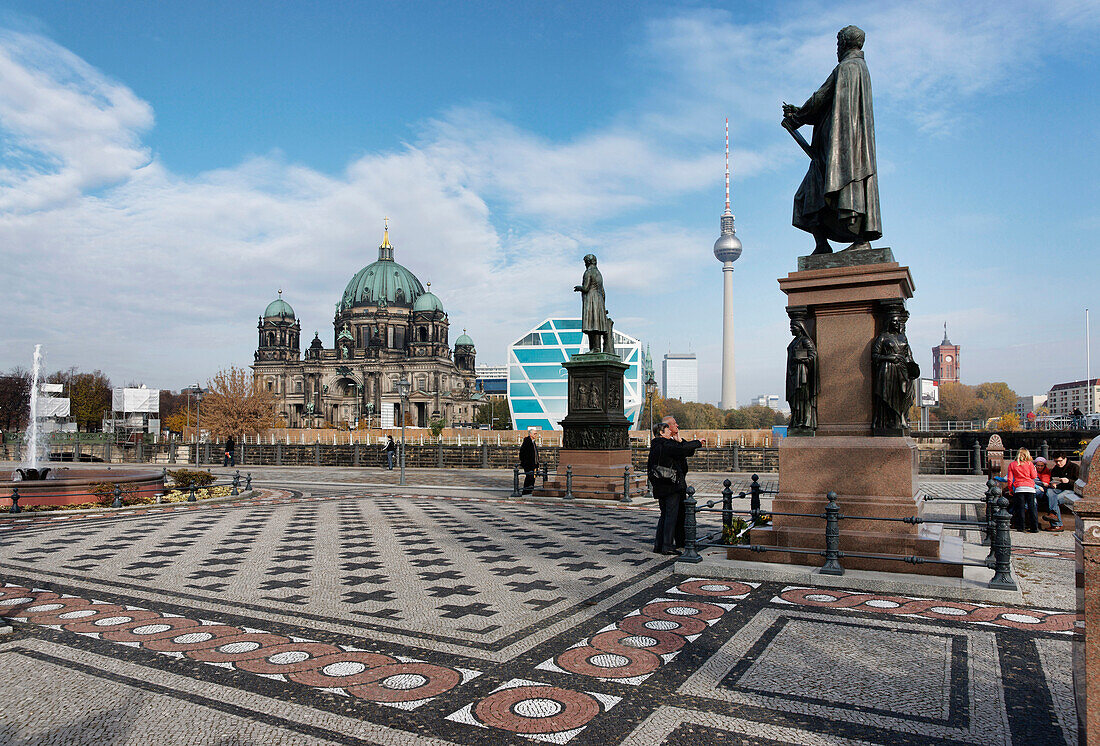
{"type": "Point", "coordinates": [1063, 475]}
{"type": "Point", "coordinates": [1021, 482]}
{"type": "Point", "coordinates": [667, 469]}
{"type": "Point", "coordinates": [230, 452]}
{"type": "Point", "coordinates": [390, 450]}
{"type": "Point", "coordinates": [528, 461]}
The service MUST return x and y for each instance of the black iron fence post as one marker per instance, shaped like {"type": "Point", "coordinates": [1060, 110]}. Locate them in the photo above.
{"type": "Point", "coordinates": [191, 494]}
{"type": "Point", "coordinates": [236, 483]}
{"type": "Point", "coordinates": [832, 538]}
{"type": "Point", "coordinates": [992, 492]}
{"type": "Point", "coordinates": [118, 497]}
{"type": "Point", "coordinates": [248, 482]}
{"type": "Point", "coordinates": [727, 507]}
{"type": "Point", "coordinates": [515, 482]}
{"type": "Point", "coordinates": [545, 474]}
{"type": "Point", "coordinates": [977, 466]}
{"type": "Point", "coordinates": [754, 501]}
{"type": "Point", "coordinates": [1002, 548]}
{"type": "Point", "coordinates": [568, 483]}
{"type": "Point", "coordinates": [735, 458]}
{"type": "Point", "coordinates": [690, 529]}
{"type": "Point", "coordinates": [626, 485]}
{"type": "Point", "coordinates": [15, 501]}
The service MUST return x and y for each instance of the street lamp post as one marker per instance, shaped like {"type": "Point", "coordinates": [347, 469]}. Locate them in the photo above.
{"type": "Point", "coordinates": [650, 388]}
{"type": "Point", "coordinates": [403, 388]}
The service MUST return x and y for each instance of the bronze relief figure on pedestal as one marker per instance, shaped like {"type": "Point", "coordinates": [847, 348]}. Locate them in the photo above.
{"type": "Point", "coordinates": [802, 377]}
{"type": "Point", "coordinates": [893, 374]}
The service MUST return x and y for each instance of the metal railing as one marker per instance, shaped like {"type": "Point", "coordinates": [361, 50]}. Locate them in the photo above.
{"type": "Point", "coordinates": [632, 483]}
{"type": "Point", "coordinates": [233, 482]}
{"type": "Point", "coordinates": [996, 528]}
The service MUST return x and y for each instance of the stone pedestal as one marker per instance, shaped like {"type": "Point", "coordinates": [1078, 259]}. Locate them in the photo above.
{"type": "Point", "coordinates": [595, 431]}
{"type": "Point", "coordinates": [841, 296]}
{"type": "Point", "coordinates": [1086, 638]}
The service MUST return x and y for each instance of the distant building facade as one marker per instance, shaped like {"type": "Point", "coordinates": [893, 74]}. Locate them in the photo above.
{"type": "Point", "coordinates": [771, 401]}
{"type": "Point", "coordinates": [1025, 404]}
{"type": "Point", "coordinates": [387, 327]}
{"type": "Point", "coordinates": [492, 381]}
{"type": "Point", "coordinates": [1063, 398]}
{"type": "Point", "coordinates": [681, 376]}
{"type": "Point", "coordinates": [538, 386]}
{"type": "Point", "coordinates": [945, 361]}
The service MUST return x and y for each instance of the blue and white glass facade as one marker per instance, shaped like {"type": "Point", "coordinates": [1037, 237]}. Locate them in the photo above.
{"type": "Point", "coordinates": [538, 392]}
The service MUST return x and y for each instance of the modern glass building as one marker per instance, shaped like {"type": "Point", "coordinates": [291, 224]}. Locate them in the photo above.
{"type": "Point", "coordinates": [537, 384]}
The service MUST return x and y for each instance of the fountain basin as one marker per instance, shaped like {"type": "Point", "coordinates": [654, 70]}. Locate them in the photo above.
{"type": "Point", "coordinates": [73, 486]}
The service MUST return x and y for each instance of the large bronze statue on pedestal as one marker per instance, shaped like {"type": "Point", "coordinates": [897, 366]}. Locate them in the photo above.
{"type": "Point", "coordinates": [893, 374]}
{"type": "Point", "coordinates": [838, 198]}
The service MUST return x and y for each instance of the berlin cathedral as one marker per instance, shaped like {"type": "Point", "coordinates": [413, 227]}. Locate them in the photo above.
{"type": "Point", "coordinates": [387, 327]}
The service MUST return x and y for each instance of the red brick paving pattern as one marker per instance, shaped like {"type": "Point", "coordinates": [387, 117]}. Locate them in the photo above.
{"type": "Point", "coordinates": [955, 611]}
{"type": "Point", "coordinates": [368, 676]}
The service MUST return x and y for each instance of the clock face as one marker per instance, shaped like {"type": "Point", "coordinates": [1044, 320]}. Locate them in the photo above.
{"type": "Point", "coordinates": [947, 358]}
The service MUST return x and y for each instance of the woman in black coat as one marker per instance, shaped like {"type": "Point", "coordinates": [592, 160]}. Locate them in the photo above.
{"type": "Point", "coordinates": [670, 493]}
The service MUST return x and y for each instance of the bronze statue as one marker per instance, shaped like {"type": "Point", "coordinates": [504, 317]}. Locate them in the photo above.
{"type": "Point", "coordinates": [802, 380]}
{"type": "Point", "coordinates": [838, 198]}
{"type": "Point", "coordinates": [893, 373]}
{"type": "Point", "coordinates": [594, 318]}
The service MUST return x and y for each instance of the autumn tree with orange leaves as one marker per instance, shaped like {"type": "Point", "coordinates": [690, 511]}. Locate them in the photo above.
{"type": "Point", "coordinates": [236, 405]}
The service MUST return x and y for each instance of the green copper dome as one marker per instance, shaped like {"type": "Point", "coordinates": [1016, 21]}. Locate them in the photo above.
{"type": "Point", "coordinates": [464, 340]}
{"type": "Point", "coordinates": [278, 308]}
{"type": "Point", "coordinates": [429, 301]}
{"type": "Point", "coordinates": [383, 280]}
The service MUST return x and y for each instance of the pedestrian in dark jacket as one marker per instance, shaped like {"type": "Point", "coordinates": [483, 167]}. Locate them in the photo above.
{"type": "Point", "coordinates": [390, 450]}
{"type": "Point", "coordinates": [668, 454]}
{"type": "Point", "coordinates": [528, 461]}
{"type": "Point", "coordinates": [230, 452]}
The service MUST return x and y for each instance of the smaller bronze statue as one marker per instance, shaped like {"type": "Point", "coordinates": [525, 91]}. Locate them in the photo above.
{"type": "Point", "coordinates": [802, 380]}
{"type": "Point", "coordinates": [894, 371]}
{"type": "Point", "coordinates": [595, 322]}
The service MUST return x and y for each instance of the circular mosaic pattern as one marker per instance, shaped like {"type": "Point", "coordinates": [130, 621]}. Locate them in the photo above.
{"type": "Point", "coordinates": [343, 668]}
{"type": "Point", "coordinates": [526, 709]}
{"type": "Point", "coordinates": [151, 629]}
{"type": "Point", "coordinates": [661, 625]}
{"type": "Point", "coordinates": [238, 647]}
{"type": "Point", "coordinates": [112, 621]}
{"type": "Point", "coordinates": [882, 603]}
{"type": "Point", "coordinates": [538, 708]}
{"type": "Point", "coordinates": [38, 607]}
{"type": "Point", "coordinates": [404, 681]}
{"type": "Point", "coordinates": [821, 598]}
{"type": "Point", "coordinates": [79, 614]}
{"type": "Point", "coordinates": [190, 638]}
{"type": "Point", "coordinates": [948, 610]}
{"type": "Point", "coordinates": [639, 641]}
{"type": "Point", "coordinates": [724, 588]}
{"type": "Point", "coordinates": [609, 660]}
{"type": "Point", "coordinates": [1021, 618]}
{"type": "Point", "coordinates": [437, 680]}
{"type": "Point", "coordinates": [290, 656]}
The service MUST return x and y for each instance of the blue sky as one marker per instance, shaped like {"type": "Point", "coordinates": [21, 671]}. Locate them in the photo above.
{"type": "Point", "coordinates": [165, 168]}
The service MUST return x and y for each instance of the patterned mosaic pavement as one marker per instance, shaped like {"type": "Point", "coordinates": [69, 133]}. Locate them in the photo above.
{"type": "Point", "coordinates": [395, 619]}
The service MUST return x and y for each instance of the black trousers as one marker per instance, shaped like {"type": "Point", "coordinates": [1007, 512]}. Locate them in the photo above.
{"type": "Point", "coordinates": [1025, 511]}
{"type": "Point", "coordinates": [669, 521]}
{"type": "Point", "coordinates": [528, 481]}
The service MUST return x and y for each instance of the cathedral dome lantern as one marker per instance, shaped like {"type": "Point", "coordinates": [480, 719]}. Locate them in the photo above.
{"type": "Point", "coordinates": [382, 283]}
{"type": "Point", "coordinates": [278, 332]}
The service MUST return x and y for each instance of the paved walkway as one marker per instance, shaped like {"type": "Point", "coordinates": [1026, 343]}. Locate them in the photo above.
{"type": "Point", "coordinates": [316, 613]}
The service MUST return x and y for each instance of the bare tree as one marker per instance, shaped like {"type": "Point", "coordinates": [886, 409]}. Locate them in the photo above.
{"type": "Point", "coordinates": [236, 405]}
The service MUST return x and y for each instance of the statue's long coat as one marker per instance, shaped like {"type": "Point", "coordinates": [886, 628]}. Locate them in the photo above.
{"type": "Point", "coordinates": [842, 181]}
{"type": "Point", "coordinates": [593, 309]}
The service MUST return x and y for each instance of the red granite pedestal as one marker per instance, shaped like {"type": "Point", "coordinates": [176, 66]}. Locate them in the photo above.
{"type": "Point", "coordinates": [596, 474]}
{"type": "Point", "coordinates": [1086, 639]}
{"type": "Point", "coordinates": [874, 477]}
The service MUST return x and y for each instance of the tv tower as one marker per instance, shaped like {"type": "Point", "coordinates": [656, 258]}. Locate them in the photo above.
{"type": "Point", "coordinates": [726, 249]}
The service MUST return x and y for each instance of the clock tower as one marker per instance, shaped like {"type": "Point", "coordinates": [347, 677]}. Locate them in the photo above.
{"type": "Point", "coordinates": [945, 361]}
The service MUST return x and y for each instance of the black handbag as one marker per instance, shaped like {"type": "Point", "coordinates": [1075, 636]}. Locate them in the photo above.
{"type": "Point", "coordinates": [663, 475]}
